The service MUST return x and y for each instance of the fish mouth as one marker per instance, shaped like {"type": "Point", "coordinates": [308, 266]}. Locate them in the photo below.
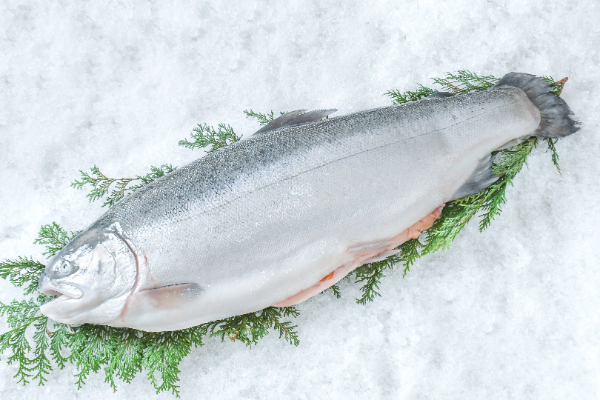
{"type": "Point", "coordinates": [73, 293]}
{"type": "Point", "coordinates": [64, 291]}
{"type": "Point", "coordinates": [64, 308]}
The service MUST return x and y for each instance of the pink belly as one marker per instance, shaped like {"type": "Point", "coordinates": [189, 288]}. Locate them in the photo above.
{"type": "Point", "coordinates": [364, 254]}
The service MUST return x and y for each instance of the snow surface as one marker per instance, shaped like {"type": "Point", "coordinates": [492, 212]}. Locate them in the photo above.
{"type": "Point", "coordinates": [508, 313]}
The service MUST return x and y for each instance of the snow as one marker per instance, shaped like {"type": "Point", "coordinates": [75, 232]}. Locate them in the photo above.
{"type": "Point", "coordinates": [508, 313]}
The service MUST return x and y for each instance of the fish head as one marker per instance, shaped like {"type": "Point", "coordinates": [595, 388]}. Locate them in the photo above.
{"type": "Point", "coordinates": [91, 276]}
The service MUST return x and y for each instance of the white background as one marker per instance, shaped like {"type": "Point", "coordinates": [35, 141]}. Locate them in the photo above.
{"type": "Point", "coordinates": [508, 313]}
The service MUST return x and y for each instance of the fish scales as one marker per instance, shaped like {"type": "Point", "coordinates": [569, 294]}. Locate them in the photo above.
{"type": "Point", "coordinates": [214, 191]}
{"type": "Point", "coordinates": [256, 222]}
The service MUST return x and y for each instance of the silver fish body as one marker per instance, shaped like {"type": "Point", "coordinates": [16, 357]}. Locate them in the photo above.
{"type": "Point", "coordinates": [250, 225]}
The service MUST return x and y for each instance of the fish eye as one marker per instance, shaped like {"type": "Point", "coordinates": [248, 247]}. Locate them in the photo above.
{"type": "Point", "coordinates": [64, 268]}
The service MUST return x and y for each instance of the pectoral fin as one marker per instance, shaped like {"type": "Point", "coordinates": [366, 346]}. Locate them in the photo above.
{"type": "Point", "coordinates": [166, 297]}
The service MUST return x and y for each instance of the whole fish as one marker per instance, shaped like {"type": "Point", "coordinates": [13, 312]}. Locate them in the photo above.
{"type": "Point", "coordinates": [279, 217]}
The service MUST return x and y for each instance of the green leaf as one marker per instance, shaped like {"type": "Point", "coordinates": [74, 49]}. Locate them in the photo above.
{"type": "Point", "coordinates": [207, 136]}
{"type": "Point", "coordinates": [58, 343]}
{"type": "Point", "coordinates": [263, 119]}
{"type": "Point", "coordinates": [370, 275]}
{"type": "Point", "coordinates": [465, 81]}
{"type": "Point", "coordinates": [408, 96]}
{"type": "Point", "coordinates": [249, 328]}
{"type": "Point", "coordinates": [101, 184]}
{"type": "Point", "coordinates": [551, 142]}
{"type": "Point", "coordinates": [20, 316]}
{"type": "Point", "coordinates": [163, 352]}
{"type": "Point", "coordinates": [335, 289]}
{"type": "Point", "coordinates": [40, 363]}
{"type": "Point", "coordinates": [54, 238]}
{"type": "Point", "coordinates": [22, 272]}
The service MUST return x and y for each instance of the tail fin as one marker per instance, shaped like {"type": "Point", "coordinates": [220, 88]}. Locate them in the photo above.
{"type": "Point", "coordinates": [556, 115]}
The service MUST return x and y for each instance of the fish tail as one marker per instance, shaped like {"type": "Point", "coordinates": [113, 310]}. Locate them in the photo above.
{"type": "Point", "coordinates": [556, 118]}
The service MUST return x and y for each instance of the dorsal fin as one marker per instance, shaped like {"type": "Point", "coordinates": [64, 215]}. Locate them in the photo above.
{"type": "Point", "coordinates": [281, 121]}
{"type": "Point", "coordinates": [294, 118]}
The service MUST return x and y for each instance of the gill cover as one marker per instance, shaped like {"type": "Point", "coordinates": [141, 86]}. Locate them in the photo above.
{"type": "Point", "coordinates": [93, 275]}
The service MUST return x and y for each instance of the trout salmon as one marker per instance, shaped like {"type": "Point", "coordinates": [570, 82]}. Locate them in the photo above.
{"type": "Point", "coordinates": [275, 219]}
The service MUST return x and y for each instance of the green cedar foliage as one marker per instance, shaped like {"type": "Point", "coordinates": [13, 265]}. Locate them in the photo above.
{"type": "Point", "coordinates": [465, 82]}
{"type": "Point", "coordinates": [399, 97]}
{"type": "Point", "coordinates": [54, 238]}
{"type": "Point", "coordinates": [23, 271]}
{"type": "Point", "coordinates": [101, 183]}
{"type": "Point", "coordinates": [206, 136]}
{"type": "Point", "coordinates": [36, 344]}
{"type": "Point", "coordinates": [249, 328]}
{"type": "Point", "coordinates": [262, 119]}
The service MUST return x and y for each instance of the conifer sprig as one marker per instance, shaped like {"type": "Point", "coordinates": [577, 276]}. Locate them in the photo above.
{"type": "Point", "coordinates": [206, 136]}
{"type": "Point", "coordinates": [143, 180]}
{"type": "Point", "coordinates": [399, 97]}
{"type": "Point", "coordinates": [551, 142]}
{"type": "Point", "coordinates": [263, 119]}
{"type": "Point", "coordinates": [335, 289]}
{"type": "Point", "coordinates": [249, 328]}
{"type": "Point", "coordinates": [101, 184]}
{"type": "Point", "coordinates": [556, 85]}
{"type": "Point", "coordinates": [465, 81]}
{"type": "Point", "coordinates": [370, 276]}
{"type": "Point", "coordinates": [54, 238]}
{"type": "Point", "coordinates": [33, 362]}
{"type": "Point", "coordinates": [23, 271]}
